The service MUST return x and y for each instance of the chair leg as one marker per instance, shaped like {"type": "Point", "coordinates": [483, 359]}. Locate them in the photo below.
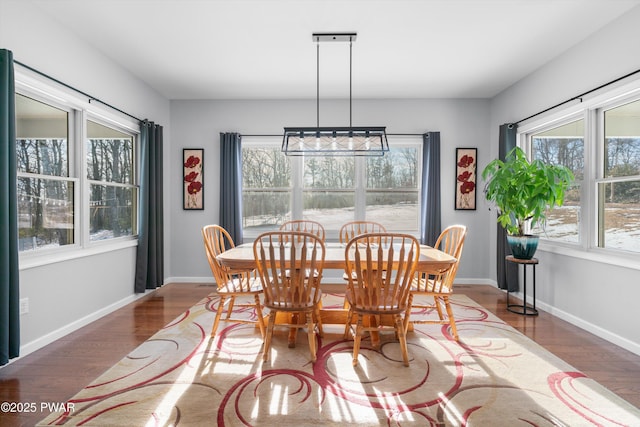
{"type": "Point", "coordinates": [232, 301]}
{"type": "Point", "coordinates": [452, 321]}
{"type": "Point", "coordinates": [399, 324]}
{"type": "Point", "coordinates": [318, 319]}
{"type": "Point", "coordinates": [260, 315]}
{"type": "Point", "coordinates": [436, 301]}
{"type": "Point", "coordinates": [347, 325]}
{"type": "Point", "coordinates": [374, 332]}
{"type": "Point", "coordinates": [312, 336]}
{"type": "Point", "coordinates": [293, 331]}
{"type": "Point", "coordinates": [267, 339]}
{"type": "Point", "coordinates": [218, 315]}
{"type": "Point", "coordinates": [356, 340]}
{"type": "Point", "coordinates": [407, 314]}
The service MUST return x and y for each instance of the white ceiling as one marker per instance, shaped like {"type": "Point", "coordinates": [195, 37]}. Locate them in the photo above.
{"type": "Point", "coordinates": [263, 49]}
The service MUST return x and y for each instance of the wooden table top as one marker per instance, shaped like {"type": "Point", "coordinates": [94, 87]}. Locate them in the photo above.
{"type": "Point", "coordinates": [431, 260]}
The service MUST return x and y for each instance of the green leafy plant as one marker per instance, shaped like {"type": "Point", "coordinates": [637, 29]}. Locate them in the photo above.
{"type": "Point", "coordinates": [523, 190]}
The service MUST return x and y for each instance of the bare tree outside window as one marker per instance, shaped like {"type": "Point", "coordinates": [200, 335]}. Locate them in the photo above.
{"type": "Point", "coordinates": [45, 189]}
{"type": "Point", "coordinates": [113, 195]}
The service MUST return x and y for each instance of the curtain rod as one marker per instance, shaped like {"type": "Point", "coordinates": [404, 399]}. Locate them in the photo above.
{"type": "Point", "coordinates": [281, 135]}
{"type": "Point", "coordinates": [91, 98]}
{"type": "Point", "coordinates": [579, 96]}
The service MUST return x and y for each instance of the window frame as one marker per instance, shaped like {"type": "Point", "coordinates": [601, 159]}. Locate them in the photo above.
{"type": "Point", "coordinates": [80, 110]}
{"type": "Point", "coordinates": [590, 109]}
{"type": "Point", "coordinates": [135, 184]}
{"type": "Point", "coordinates": [360, 181]}
{"type": "Point", "coordinates": [71, 169]}
{"type": "Point", "coordinates": [584, 213]}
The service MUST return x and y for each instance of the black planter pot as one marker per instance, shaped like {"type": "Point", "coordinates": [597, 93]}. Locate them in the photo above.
{"type": "Point", "coordinates": [523, 247]}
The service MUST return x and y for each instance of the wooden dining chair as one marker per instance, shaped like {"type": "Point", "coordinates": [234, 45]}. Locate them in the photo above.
{"type": "Point", "coordinates": [231, 283]}
{"type": "Point", "coordinates": [285, 262]}
{"type": "Point", "coordinates": [380, 268]}
{"type": "Point", "coordinates": [305, 226]}
{"type": "Point", "coordinates": [351, 229]}
{"type": "Point", "coordinates": [439, 286]}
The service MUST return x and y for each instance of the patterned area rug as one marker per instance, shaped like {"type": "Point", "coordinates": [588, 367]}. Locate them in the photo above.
{"type": "Point", "coordinates": [494, 376]}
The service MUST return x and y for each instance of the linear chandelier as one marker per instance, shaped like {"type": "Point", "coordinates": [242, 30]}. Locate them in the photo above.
{"type": "Point", "coordinates": [335, 141]}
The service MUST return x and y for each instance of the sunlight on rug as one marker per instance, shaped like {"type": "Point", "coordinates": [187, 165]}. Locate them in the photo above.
{"type": "Point", "coordinates": [494, 376]}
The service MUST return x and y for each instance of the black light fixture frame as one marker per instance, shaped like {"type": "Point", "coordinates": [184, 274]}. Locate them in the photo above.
{"type": "Point", "coordinates": [335, 141]}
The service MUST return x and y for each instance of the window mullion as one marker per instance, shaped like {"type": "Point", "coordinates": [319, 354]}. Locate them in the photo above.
{"type": "Point", "coordinates": [360, 188]}
{"type": "Point", "coordinates": [297, 187]}
{"type": "Point", "coordinates": [80, 168]}
{"type": "Point", "coordinates": [588, 222]}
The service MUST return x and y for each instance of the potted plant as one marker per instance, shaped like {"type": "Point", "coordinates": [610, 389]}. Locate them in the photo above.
{"type": "Point", "coordinates": [524, 191]}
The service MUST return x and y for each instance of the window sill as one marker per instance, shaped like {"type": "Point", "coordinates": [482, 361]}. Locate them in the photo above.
{"type": "Point", "coordinates": [611, 257]}
{"type": "Point", "coordinates": [37, 259]}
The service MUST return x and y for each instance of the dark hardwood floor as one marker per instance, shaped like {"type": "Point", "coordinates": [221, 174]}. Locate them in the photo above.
{"type": "Point", "coordinates": [58, 371]}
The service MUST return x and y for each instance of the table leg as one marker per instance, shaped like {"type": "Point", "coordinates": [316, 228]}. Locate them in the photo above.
{"type": "Point", "coordinates": [375, 335]}
{"type": "Point", "coordinates": [293, 332]}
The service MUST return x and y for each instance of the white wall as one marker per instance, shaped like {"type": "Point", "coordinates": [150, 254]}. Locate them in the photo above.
{"type": "Point", "coordinates": [462, 123]}
{"type": "Point", "coordinates": [595, 295]}
{"type": "Point", "coordinates": [65, 295]}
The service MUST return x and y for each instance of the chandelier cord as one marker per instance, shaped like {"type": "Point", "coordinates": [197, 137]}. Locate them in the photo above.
{"type": "Point", "coordinates": [350, 79]}
{"type": "Point", "coordinates": [318, 83]}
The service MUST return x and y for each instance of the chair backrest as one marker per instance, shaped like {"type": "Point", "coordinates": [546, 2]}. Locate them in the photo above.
{"type": "Point", "coordinates": [216, 241]}
{"type": "Point", "coordinates": [305, 226]}
{"type": "Point", "coordinates": [450, 241]}
{"type": "Point", "coordinates": [380, 268]}
{"type": "Point", "coordinates": [352, 229]}
{"type": "Point", "coordinates": [290, 265]}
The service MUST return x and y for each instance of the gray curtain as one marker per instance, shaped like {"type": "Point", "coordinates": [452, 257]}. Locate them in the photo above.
{"type": "Point", "coordinates": [150, 256]}
{"type": "Point", "coordinates": [430, 223]}
{"type": "Point", "coordinates": [231, 185]}
{"type": "Point", "coordinates": [507, 272]}
{"type": "Point", "coordinates": [10, 280]}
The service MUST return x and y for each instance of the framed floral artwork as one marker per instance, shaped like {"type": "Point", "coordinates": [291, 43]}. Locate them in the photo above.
{"type": "Point", "coordinates": [193, 179]}
{"type": "Point", "coordinates": [466, 165]}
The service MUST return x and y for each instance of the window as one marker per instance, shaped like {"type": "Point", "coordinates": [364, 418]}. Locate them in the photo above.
{"type": "Point", "coordinates": [57, 189]}
{"type": "Point", "coordinates": [331, 190]}
{"type": "Point", "coordinates": [618, 183]}
{"type": "Point", "coordinates": [266, 187]}
{"type": "Point", "coordinates": [45, 188]}
{"type": "Point", "coordinates": [601, 146]}
{"type": "Point", "coordinates": [392, 188]}
{"type": "Point", "coordinates": [113, 195]}
{"type": "Point", "coordinates": [562, 145]}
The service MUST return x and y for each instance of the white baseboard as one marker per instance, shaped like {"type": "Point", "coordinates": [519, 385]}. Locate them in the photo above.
{"type": "Point", "coordinates": [467, 281]}
{"type": "Point", "coordinates": [590, 327]}
{"type": "Point", "coordinates": [582, 324]}
{"type": "Point", "coordinates": [38, 343]}
{"type": "Point", "coordinates": [207, 280]}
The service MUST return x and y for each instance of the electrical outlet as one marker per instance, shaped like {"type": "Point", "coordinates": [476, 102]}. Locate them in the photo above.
{"type": "Point", "coordinates": [24, 305]}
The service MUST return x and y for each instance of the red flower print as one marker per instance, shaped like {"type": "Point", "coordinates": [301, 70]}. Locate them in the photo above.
{"type": "Point", "coordinates": [192, 162]}
{"type": "Point", "coordinates": [465, 161]}
{"type": "Point", "coordinates": [191, 176]}
{"type": "Point", "coordinates": [464, 176]}
{"type": "Point", "coordinates": [467, 187]}
{"type": "Point", "coordinates": [194, 187]}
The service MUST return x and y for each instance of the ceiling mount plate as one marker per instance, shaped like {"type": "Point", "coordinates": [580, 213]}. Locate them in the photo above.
{"type": "Point", "coordinates": [334, 37]}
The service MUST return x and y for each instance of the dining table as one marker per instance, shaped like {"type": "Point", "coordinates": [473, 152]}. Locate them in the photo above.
{"type": "Point", "coordinates": [431, 261]}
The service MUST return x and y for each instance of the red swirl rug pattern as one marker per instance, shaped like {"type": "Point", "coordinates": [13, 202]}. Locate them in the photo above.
{"type": "Point", "coordinates": [494, 376]}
